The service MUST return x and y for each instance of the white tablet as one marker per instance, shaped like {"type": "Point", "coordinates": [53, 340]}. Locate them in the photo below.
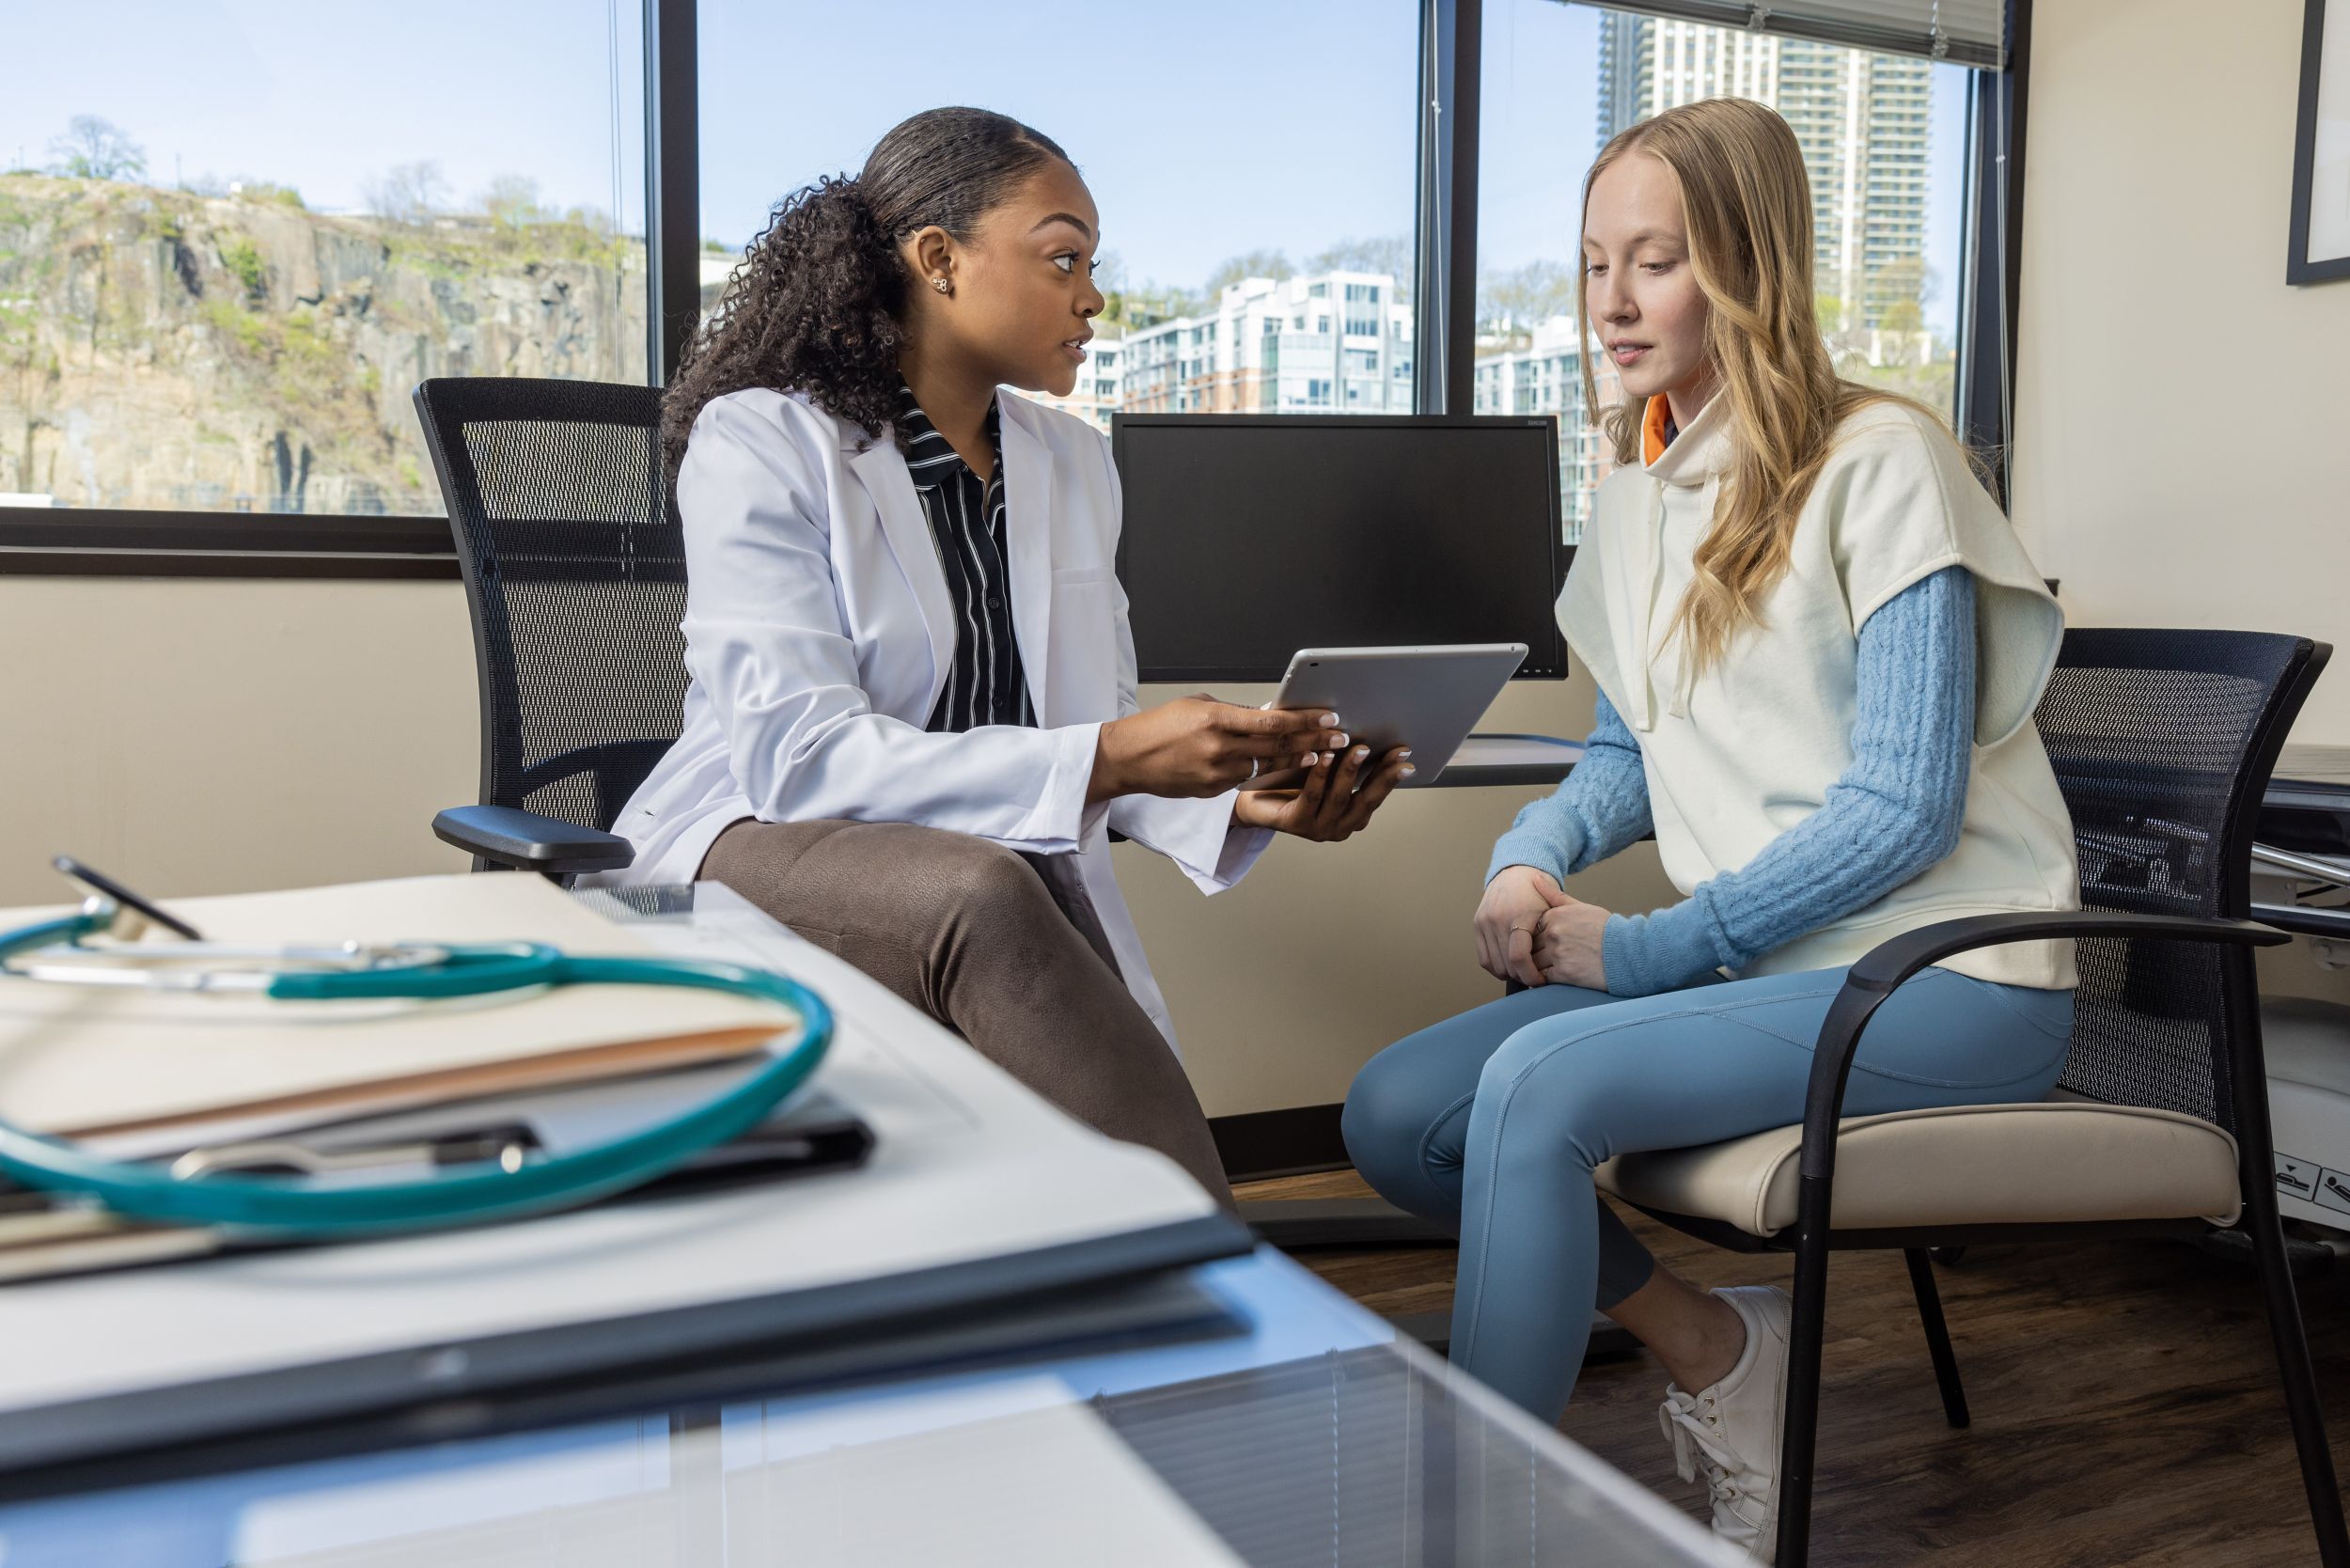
{"type": "Point", "coordinates": [1428, 698]}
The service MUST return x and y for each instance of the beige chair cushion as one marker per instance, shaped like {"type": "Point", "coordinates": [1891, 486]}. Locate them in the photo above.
{"type": "Point", "coordinates": [1969, 1165]}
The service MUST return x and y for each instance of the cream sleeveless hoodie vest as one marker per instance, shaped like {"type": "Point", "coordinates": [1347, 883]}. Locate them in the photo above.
{"type": "Point", "coordinates": [1736, 756]}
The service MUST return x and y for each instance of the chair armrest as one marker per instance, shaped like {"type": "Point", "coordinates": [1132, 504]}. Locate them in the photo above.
{"type": "Point", "coordinates": [531, 842]}
{"type": "Point", "coordinates": [1884, 967]}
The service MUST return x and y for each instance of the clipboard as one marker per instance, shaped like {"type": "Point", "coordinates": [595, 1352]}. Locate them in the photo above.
{"type": "Point", "coordinates": [44, 1238]}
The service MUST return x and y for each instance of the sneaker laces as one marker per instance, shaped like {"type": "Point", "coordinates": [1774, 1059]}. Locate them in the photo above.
{"type": "Point", "coordinates": [1697, 1441]}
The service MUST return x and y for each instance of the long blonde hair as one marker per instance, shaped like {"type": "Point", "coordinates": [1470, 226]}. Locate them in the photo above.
{"type": "Point", "coordinates": [1745, 203]}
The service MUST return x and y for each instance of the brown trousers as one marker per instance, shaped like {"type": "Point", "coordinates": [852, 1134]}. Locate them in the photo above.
{"type": "Point", "coordinates": [968, 931]}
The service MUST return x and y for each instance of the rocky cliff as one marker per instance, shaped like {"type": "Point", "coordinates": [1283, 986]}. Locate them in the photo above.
{"type": "Point", "coordinates": [164, 349]}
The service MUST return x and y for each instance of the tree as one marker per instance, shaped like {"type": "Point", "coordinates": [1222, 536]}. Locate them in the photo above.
{"type": "Point", "coordinates": [1256, 263]}
{"type": "Point", "coordinates": [407, 193]}
{"type": "Point", "coordinates": [94, 149]}
{"type": "Point", "coordinates": [1147, 305]}
{"type": "Point", "coordinates": [1390, 254]}
{"type": "Point", "coordinates": [1900, 292]}
{"type": "Point", "coordinates": [1521, 299]}
{"type": "Point", "coordinates": [511, 200]}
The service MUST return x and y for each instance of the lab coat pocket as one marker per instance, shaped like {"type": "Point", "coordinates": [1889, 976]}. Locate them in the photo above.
{"type": "Point", "coordinates": [1081, 677]}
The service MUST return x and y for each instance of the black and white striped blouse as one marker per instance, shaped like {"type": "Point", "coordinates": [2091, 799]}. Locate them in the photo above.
{"type": "Point", "coordinates": [986, 684]}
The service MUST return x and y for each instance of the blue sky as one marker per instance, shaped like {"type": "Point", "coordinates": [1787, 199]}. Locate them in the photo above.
{"type": "Point", "coordinates": [320, 95]}
{"type": "Point", "coordinates": [1205, 129]}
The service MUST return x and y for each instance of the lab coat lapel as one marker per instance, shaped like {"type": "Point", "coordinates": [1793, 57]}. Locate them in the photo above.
{"type": "Point", "coordinates": [882, 469]}
{"type": "Point", "coordinates": [1028, 530]}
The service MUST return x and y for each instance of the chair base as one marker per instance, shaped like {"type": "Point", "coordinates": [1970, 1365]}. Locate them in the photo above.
{"type": "Point", "coordinates": [2306, 1258]}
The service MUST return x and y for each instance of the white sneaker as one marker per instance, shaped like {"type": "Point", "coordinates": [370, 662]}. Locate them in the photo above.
{"type": "Point", "coordinates": [1731, 1429]}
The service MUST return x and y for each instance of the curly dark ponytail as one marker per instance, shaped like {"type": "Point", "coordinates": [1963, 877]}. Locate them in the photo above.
{"type": "Point", "coordinates": [817, 302]}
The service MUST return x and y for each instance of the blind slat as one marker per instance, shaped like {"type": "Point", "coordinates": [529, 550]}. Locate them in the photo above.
{"type": "Point", "coordinates": [1964, 32]}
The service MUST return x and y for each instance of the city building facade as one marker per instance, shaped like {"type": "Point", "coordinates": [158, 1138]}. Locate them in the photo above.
{"type": "Point", "coordinates": [1545, 376]}
{"type": "Point", "coordinates": [1862, 120]}
{"type": "Point", "coordinates": [1336, 342]}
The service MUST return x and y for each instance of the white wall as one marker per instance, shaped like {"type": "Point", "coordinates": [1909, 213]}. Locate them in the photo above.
{"type": "Point", "coordinates": [2184, 416]}
{"type": "Point", "coordinates": [206, 735]}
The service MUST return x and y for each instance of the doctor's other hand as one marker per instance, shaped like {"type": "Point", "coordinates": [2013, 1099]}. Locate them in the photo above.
{"type": "Point", "coordinates": [1335, 800]}
{"type": "Point", "coordinates": [1509, 922]}
{"type": "Point", "coordinates": [1199, 748]}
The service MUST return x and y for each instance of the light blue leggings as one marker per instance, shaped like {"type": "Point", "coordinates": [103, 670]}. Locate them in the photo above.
{"type": "Point", "coordinates": [1493, 1121]}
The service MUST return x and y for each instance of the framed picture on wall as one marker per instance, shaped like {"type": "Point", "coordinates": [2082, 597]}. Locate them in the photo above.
{"type": "Point", "coordinates": [2319, 246]}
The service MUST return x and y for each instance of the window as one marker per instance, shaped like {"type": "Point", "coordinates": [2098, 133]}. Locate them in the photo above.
{"type": "Point", "coordinates": [1891, 126]}
{"type": "Point", "coordinates": [227, 255]}
{"type": "Point", "coordinates": [1200, 232]}
{"type": "Point", "coordinates": [279, 247]}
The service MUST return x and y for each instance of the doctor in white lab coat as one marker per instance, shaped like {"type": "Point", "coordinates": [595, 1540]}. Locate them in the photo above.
{"type": "Point", "coordinates": [912, 722]}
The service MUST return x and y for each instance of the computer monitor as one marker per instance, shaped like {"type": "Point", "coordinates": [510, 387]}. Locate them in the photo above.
{"type": "Point", "coordinates": [1248, 537]}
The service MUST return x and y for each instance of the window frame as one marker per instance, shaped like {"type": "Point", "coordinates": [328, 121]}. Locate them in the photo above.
{"type": "Point", "coordinates": [89, 541]}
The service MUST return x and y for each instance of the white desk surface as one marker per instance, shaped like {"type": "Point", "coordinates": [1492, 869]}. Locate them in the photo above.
{"type": "Point", "coordinates": [968, 1164]}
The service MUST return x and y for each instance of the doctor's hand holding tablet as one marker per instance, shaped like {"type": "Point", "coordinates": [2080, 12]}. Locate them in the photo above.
{"type": "Point", "coordinates": [1296, 766]}
{"type": "Point", "coordinates": [1197, 746]}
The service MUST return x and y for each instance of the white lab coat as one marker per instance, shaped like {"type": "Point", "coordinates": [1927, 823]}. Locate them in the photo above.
{"type": "Point", "coordinates": [819, 632]}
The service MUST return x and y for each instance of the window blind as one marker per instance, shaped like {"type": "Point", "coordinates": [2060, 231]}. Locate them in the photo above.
{"type": "Point", "coordinates": [1964, 32]}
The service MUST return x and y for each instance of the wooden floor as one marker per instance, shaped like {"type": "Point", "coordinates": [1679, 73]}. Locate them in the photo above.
{"type": "Point", "coordinates": [2125, 1398]}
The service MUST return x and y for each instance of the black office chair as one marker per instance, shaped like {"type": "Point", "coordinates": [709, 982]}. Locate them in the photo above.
{"type": "Point", "coordinates": [575, 583]}
{"type": "Point", "coordinates": [2162, 743]}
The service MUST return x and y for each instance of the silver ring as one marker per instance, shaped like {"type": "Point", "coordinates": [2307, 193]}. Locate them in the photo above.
{"type": "Point", "coordinates": [1254, 764]}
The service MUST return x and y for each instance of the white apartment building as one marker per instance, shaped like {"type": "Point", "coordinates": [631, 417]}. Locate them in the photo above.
{"type": "Point", "coordinates": [1101, 381]}
{"type": "Point", "coordinates": [1546, 377]}
{"type": "Point", "coordinates": [1336, 342]}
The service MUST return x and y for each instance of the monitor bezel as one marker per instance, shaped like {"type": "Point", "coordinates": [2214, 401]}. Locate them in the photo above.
{"type": "Point", "coordinates": [1544, 661]}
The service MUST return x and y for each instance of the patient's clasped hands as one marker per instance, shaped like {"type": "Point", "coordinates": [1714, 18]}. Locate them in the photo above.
{"type": "Point", "coordinates": [1530, 930]}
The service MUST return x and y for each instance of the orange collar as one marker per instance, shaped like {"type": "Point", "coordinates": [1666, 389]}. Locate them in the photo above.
{"type": "Point", "coordinates": [1653, 428]}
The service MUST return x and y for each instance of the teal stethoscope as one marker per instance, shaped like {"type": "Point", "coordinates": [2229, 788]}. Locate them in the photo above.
{"type": "Point", "coordinates": [63, 950]}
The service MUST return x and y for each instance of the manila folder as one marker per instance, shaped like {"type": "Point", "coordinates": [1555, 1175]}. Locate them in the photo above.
{"type": "Point", "coordinates": [78, 1059]}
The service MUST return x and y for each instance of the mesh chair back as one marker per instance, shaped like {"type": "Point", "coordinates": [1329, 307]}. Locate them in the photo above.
{"type": "Point", "coordinates": [2163, 741]}
{"type": "Point", "coordinates": [575, 580]}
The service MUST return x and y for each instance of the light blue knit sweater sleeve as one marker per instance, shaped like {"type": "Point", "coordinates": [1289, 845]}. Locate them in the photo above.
{"type": "Point", "coordinates": [1894, 812]}
{"type": "Point", "coordinates": [1601, 807]}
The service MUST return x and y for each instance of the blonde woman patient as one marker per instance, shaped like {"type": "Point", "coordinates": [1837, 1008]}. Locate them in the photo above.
{"type": "Point", "coordinates": [1818, 646]}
